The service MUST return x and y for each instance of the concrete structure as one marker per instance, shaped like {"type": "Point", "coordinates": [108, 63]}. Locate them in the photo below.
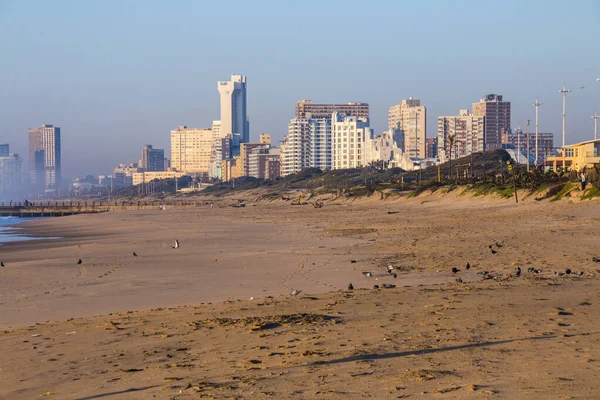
{"type": "Point", "coordinates": [408, 123]}
{"type": "Point", "coordinates": [11, 177]}
{"type": "Point", "coordinates": [497, 119]}
{"type": "Point", "coordinates": [152, 159]}
{"type": "Point", "coordinates": [295, 148]}
{"type": "Point", "coordinates": [233, 108]}
{"type": "Point", "coordinates": [305, 109]}
{"type": "Point", "coordinates": [467, 130]}
{"type": "Point", "coordinates": [245, 151]}
{"type": "Point", "coordinates": [231, 169]}
{"type": "Point", "coordinates": [518, 140]}
{"type": "Point", "coordinates": [319, 147]}
{"type": "Point", "coordinates": [431, 147]}
{"type": "Point", "coordinates": [264, 163]}
{"type": "Point", "coordinates": [191, 149]}
{"type": "Point", "coordinates": [44, 159]}
{"type": "Point", "coordinates": [4, 150]}
{"type": "Point", "coordinates": [577, 156]}
{"type": "Point", "coordinates": [123, 174]}
{"type": "Point", "coordinates": [144, 177]}
{"type": "Point", "coordinates": [349, 137]}
{"type": "Point", "coordinates": [380, 150]}
{"type": "Point", "coordinates": [265, 138]}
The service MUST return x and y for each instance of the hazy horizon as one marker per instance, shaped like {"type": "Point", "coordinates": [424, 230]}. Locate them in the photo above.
{"type": "Point", "coordinates": [118, 75]}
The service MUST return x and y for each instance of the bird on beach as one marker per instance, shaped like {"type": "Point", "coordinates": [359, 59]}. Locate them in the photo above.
{"type": "Point", "coordinates": [296, 292]}
{"type": "Point", "coordinates": [395, 276]}
{"type": "Point", "coordinates": [376, 287]}
{"type": "Point", "coordinates": [579, 273]}
{"type": "Point", "coordinates": [498, 245]}
{"type": "Point", "coordinates": [350, 286]}
{"type": "Point", "coordinates": [568, 271]}
{"type": "Point", "coordinates": [1, 263]}
{"type": "Point", "coordinates": [79, 262]}
{"type": "Point", "coordinates": [494, 251]}
{"type": "Point", "coordinates": [468, 266]}
{"type": "Point", "coordinates": [518, 272]}
{"type": "Point", "coordinates": [176, 245]}
{"type": "Point", "coordinates": [134, 254]}
{"type": "Point", "coordinates": [367, 274]}
{"type": "Point", "coordinates": [388, 286]}
{"type": "Point", "coordinates": [455, 270]}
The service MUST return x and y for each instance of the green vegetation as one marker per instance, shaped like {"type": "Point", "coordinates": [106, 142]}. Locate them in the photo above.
{"type": "Point", "coordinates": [590, 193]}
{"type": "Point", "coordinates": [566, 189]}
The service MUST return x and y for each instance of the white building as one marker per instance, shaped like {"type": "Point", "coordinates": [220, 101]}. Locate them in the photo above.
{"type": "Point", "coordinates": [320, 143]}
{"type": "Point", "coordinates": [466, 130]}
{"type": "Point", "coordinates": [233, 108]}
{"type": "Point", "coordinates": [349, 137]}
{"type": "Point", "coordinates": [11, 177]}
{"type": "Point", "coordinates": [381, 149]}
{"type": "Point", "coordinates": [295, 148]}
{"type": "Point", "coordinates": [408, 123]}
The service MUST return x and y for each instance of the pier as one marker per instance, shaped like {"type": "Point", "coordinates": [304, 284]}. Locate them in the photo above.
{"type": "Point", "coordinates": [64, 208]}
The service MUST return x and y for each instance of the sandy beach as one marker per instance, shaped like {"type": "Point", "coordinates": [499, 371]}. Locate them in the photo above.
{"type": "Point", "coordinates": [215, 317]}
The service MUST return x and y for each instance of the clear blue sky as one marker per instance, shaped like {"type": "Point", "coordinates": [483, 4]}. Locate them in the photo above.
{"type": "Point", "coordinates": [116, 75]}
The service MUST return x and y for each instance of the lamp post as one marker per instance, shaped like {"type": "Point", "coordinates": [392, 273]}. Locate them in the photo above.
{"type": "Point", "coordinates": [537, 105]}
{"type": "Point", "coordinates": [527, 138]}
{"type": "Point", "coordinates": [595, 118]}
{"type": "Point", "coordinates": [564, 92]}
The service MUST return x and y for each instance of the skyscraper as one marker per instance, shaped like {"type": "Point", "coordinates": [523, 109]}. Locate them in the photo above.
{"type": "Point", "coordinates": [44, 158]}
{"type": "Point", "coordinates": [152, 159]}
{"type": "Point", "coordinates": [407, 122]}
{"type": "Point", "coordinates": [497, 119]}
{"type": "Point", "coordinates": [305, 109]}
{"type": "Point", "coordinates": [11, 177]}
{"type": "Point", "coordinates": [465, 131]}
{"type": "Point", "coordinates": [233, 108]}
{"type": "Point", "coordinates": [4, 150]}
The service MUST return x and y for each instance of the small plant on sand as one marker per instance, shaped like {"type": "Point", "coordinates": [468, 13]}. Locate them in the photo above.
{"type": "Point", "coordinates": [591, 193]}
{"type": "Point", "coordinates": [566, 189]}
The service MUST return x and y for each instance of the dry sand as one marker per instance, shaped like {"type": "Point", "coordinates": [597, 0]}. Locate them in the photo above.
{"type": "Point", "coordinates": [533, 337]}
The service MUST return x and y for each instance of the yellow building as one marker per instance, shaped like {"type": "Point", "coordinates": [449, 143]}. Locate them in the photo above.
{"type": "Point", "coordinates": [577, 156]}
{"type": "Point", "coordinates": [231, 169]}
{"type": "Point", "coordinates": [191, 149]}
{"type": "Point", "coordinates": [408, 123]}
{"type": "Point", "coordinates": [148, 176]}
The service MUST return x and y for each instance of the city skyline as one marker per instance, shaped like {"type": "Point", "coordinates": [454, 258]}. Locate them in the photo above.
{"type": "Point", "coordinates": [100, 95]}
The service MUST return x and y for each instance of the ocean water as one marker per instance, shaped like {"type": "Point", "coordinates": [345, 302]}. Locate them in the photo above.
{"type": "Point", "coordinates": [10, 234]}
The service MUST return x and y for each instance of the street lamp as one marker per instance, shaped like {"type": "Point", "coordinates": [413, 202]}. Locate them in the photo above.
{"type": "Point", "coordinates": [595, 118]}
{"type": "Point", "coordinates": [537, 105]}
{"type": "Point", "coordinates": [564, 92]}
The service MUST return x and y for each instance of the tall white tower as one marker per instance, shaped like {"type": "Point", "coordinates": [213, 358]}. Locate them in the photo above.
{"type": "Point", "coordinates": [233, 108]}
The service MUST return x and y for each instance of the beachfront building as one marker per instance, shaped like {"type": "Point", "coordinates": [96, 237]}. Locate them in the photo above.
{"type": "Point", "coordinates": [4, 150]}
{"type": "Point", "coordinates": [233, 108]}
{"type": "Point", "coordinates": [44, 159]}
{"type": "Point", "coordinates": [380, 150]}
{"type": "Point", "coordinates": [460, 135]}
{"type": "Point", "coordinates": [264, 163]}
{"type": "Point", "coordinates": [123, 174]}
{"type": "Point", "coordinates": [431, 147]}
{"type": "Point", "coordinates": [149, 176]}
{"type": "Point", "coordinates": [497, 119]}
{"type": "Point", "coordinates": [349, 137]}
{"type": "Point", "coordinates": [11, 177]}
{"type": "Point", "coordinates": [191, 149]}
{"type": "Point", "coordinates": [152, 159]}
{"type": "Point", "coordinates": [295, 148]}
{"type": "Point", "coordinates": [408, 123]}
{"type": "Point", "coordinates": [577, 156]}
{"type": "Point", "coordinates": [306, 109]}
{"type": "Point", "coordinates": [518, 140]}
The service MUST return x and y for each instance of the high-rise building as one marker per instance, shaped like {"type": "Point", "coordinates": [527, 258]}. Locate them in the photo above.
{"type": "Point", "coordinates": [305, 109]}
{"type": "Point", "coordinates": [348, 143]}
{"type": "Point", "coordinates": [460, 135]}
{"type": "Point", "coordinates": [233, 108]}
{"type": "Point", "coordinates": [11, 177]}
{"type": "Point", "coordinates": [4, 150]}
{"type": "Point", "coordinates": [265, 138]}
{"type": "Point", "coordinates": [264, 163]}
{"type": "Point", "coordinates": [152, 159]}
{"type": "Point", "coordinates": [191, 149]}
{"type": "Point", "coordinates": [320, 143]}
{"type": "Point", "coordinates": [295, 148]}
{"type": "Point", "coordinates": [431, 147]}
{"type": "Point", "coordinates": [44, 158]}
{"type": "Point", "coordinates": [408, 123]}
{"type": "Point", "coordinates": [245, 151]}
{"type": "Point", "coordinates": [497, 119]}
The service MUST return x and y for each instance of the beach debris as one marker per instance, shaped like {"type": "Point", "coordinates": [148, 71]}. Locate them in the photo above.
{"type": "Point", "coordinates": [393, 212]}
{"type": "Point", "coordinates": [216, 260]}
{"type": "Point", "coordinates": [132, 370]}
{"type": "Point", "coordinates": [518, 272]}
{"type": "Point", "coordinates": [36, 335]}
{"type": "Point", "coordinates": [498, 245]}
{"type": "Point", "coordinates": [483, 272]}
{"type": "Point", "coordinates": [79, 262]}
{"type": "Point", "coordinates": [568, 271]}
{"type": "Point", "coordinates": [367, 274]}
{"type": "Point", "coordinates": [172, 378]}
{"type": "Point", "coordinates": [352, 261]}
{"type": "Point", "coordinates": [559, 273]}
{"type": "Point", "coordinates": [2, 264]}
{"type": "Point", "coordinates": [455, 270]}
{"type": "Point", "coordinates": [388, 286]}
{"type": "Point", "coordinates": [459, 280]}
{"type": "Point", "coordinates": [390, 268]}
{"type": "Point", "coordinates": [468, 266]}
{"type": "Point", "coordinates": [71, 333]}
{"type": "Point", "coordinates": [494, 251]}
{"type": "Point", "coordinates": [296, 292]}
{"type": "Point", "coordinates": [579, 273]}
{"type": "Point", "coordinates": [46, 394]}
{"type": "Point", "coordinates": [598, 271]}
{"type": "Point", "coordinates": [176, 245]}
{"type": "Point", "coordinates": [532, 270]}
{"type": "Point", "coordinates": [350, 286]}
{"type": "Point", "coordinates": [596, 259]}
{"type": "Point", "coordinates": [376, 287]}
{"type": "Point", "coordinates": [134, 254]}
{"type": "Point", "coordinates": [395, 275]}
